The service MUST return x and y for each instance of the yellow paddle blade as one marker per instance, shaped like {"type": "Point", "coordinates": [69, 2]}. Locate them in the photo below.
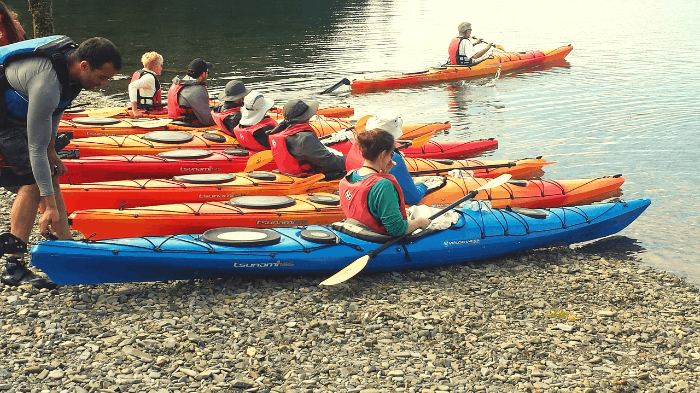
{"type": "Point", "coordinates": [148, 123]}
{"type": "Point", "coordinates": [348, 272]}
{"type": "Point", "coordinates": [258, 159]}
{"type": "Point", "coordinates": [105, 112]}
{"type": "Point", "coordinates": [361, 123]}
{"type": "Point", "coordinates": [422, 140]}
{"type": "Point", "coordinates": [302, 185]}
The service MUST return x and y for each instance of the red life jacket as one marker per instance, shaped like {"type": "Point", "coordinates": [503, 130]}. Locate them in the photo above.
{"type": "Point", "coordinates": [245, 135]}
{"type": "Point", "coordinates": [175, 111]}
{"type": "Point", "coordinates": [156, 98]}
{"type": "Point", "coordinates": [220, 116]}
{"type": "Point", "coordinates": [455, 57]}
{"type": "Point", "coordinates": [353, 199]}
{"type": "Point", "coordinates": [286, 162]}
{"type": "Point", "coordinates": [354, 159]}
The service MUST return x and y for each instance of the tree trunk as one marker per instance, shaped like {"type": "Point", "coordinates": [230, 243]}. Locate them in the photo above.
{"type": "Point", "coordinates": [42, 16]}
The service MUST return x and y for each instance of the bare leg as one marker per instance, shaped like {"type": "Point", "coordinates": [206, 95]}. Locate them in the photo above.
{"type": "Point", "coordinates": [62, 228]}
{"type": "Point", "coordinates": [23, 213]}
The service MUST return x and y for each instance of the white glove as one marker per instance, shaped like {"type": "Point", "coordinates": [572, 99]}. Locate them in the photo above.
{"type": "Point", "coordinates": [432, 182]}
{"type": "Point", "coordinates": [440, 222]}
{"type": "Point", "coordinates": [337, 137]}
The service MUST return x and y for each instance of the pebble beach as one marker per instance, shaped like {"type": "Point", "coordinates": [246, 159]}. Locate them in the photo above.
{"type": "Point", "coordinates": [552, 320]}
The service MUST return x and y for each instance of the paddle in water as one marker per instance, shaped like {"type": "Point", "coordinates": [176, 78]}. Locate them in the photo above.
{"type": "Point", "coordinates": [344, 81]}
{"type": "Point", "coordinates": [354, 268]}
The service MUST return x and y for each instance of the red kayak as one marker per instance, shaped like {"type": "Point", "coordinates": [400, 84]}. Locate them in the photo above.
{"type": "Point", "coordinates": [188, 161]}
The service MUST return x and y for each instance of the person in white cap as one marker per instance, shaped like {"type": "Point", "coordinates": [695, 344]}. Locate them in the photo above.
{"type": "Point", "coordinates": [461, 48]}
{"type": "Point", "coordinates": [188, 97]}
{"type": "Point", "coordinates": [251, 131]}
{"type": "Point", "coordinates": [228, 113]}
{"type": "Point", "coordinates": [388, 120]}
{"type": "Point", "coordinates": [296, 147]}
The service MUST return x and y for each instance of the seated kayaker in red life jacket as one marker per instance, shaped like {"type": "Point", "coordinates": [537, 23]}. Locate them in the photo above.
{"type": "Point", "coordinates": [228, 113]}
{"type": "Point", "coordinates": [188, 97]}
{"type": "Point", "coordinates": [251, 131]}
{"type": "Point", "coordinates": [370, 194]}
{"type": "Point", "coordinates": [413, 191]}
{"type": "Point", "coordinates": [296, 147]}
{"type": "Point", "coordinates": [461, 48]}
{"type": "Point", "coordinates": [144, 89]}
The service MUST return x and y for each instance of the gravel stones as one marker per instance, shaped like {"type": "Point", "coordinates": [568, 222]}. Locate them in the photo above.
{"type": "Point", "coordinates": [555, 320]}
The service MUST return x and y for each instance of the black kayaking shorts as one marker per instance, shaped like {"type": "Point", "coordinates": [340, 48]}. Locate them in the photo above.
{"type": "Point", "coordinates": [15, 167]}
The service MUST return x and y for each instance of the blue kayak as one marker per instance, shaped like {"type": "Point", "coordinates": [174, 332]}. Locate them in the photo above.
{"type": "Point", "coordinates": [479, 234]}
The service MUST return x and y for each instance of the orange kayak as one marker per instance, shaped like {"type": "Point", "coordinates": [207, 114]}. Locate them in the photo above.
{"type": "Point", "coordinates": [319, 208]}
{"type": "Point", "coordinates": [209, 187]}
{"type": "Point", "coordinates": [159, 141]}
{"type": "Point", "coordinates": [293, 210]}
{"type": "Point", "coordinates": [504, 61]}
{"type": "Point", "coordinates": [161, 113]}
{"type": "Point", "coordinates": [521, 169]}
{"type": "Point", "coordinates": [85, 127]}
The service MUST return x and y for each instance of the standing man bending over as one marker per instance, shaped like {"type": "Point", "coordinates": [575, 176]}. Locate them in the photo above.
{"type": "Point", "coordinates": [42, 76]}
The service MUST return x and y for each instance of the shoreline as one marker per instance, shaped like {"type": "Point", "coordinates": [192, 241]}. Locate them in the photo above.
{"type": "Point", "coordinates": [557, 319]}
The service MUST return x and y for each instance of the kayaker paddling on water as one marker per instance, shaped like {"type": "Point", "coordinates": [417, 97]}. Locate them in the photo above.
{"type": "Point", "coordinates": [228, 113]}
{"type": "Point", "coordinates": [144, 89]}
{"type": "Point", "coordinates": [370, 194]}
{"type": "Point", "coordinates": [461, 48]}
{"type": "Point", "coordinates": [188, 97]}
{"type": "Point", "coordinates": [296, 147]}
{"type": "Point", "coordinates": [42, 77]}
{"type": "Point", "coordinates": [388, 120]}
{"type": "Point", "coordinates": [251, 131]}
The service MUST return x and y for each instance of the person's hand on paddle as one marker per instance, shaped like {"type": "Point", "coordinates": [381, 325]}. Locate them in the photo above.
{"type": "Point", "coordinates": [418, 223]}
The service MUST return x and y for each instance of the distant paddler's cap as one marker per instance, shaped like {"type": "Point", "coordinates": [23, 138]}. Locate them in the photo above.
{"type": "Point", "coordinates": [299, 111]}
{"type": "Point", "coordinates": [388, 120]}
{"type": "Point", "coordinates": [197, 67]}
{"type": "Point", "coordinates": [255, 106]}
{"type": "Point", "coordinates": [464, 26]}
{"type": "Point", "coordinates": [234, 90]}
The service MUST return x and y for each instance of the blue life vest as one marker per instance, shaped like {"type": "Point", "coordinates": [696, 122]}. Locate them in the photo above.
{"type": "Point", "coordinates": [56, 48]}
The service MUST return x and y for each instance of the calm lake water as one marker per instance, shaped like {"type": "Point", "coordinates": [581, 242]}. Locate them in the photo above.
{"type": "Point", "coordinates": [626, 100]}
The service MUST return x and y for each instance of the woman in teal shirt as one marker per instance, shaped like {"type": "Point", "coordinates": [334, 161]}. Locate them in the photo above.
{"type": "Point", "coordinates": [372, 196]}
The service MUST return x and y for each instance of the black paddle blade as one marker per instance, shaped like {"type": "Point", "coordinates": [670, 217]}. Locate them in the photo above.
{"type": "Point", "coordinates": [344, 81]}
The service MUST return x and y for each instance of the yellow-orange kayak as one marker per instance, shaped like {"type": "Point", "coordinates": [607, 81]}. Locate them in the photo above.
{"type": "Point", "coordinates": [162, 113]}
{"type": "Point", "coordinates": [159, 141]}
{"type": "Point", "coordinates": [155, 142]}
{"type": "Point", "coordinates": [520, 169]}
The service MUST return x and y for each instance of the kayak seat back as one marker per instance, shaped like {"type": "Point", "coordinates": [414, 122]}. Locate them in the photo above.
{"type": "Point", "coordinates": [359, 230]}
